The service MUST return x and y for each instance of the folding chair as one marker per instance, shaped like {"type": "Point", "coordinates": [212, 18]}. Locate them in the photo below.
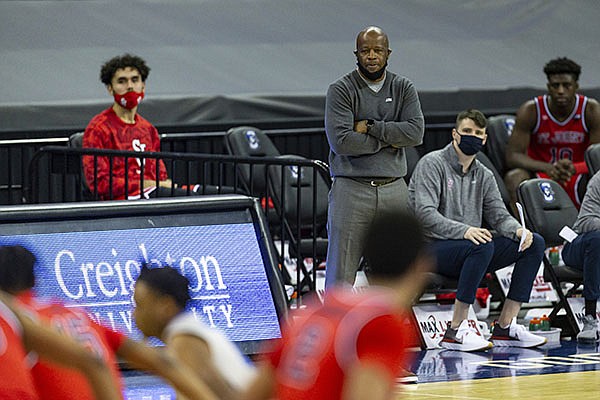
{"type": "Point", "coordinates": [592, 158]}
{"type": "Point", "coordinates": [548, 209]}
{"type": "Point", "coordinates": [56, 178]}
{"type": "Point", "coordinates": [412, 158]}
{"type": "Point", "coordinates": [76, 142]}
{"type": "Point", "coordinates": [485, 160]}
{"type": "Point", "coordinates": [304, 222]}
{"type": "Point", "coordinates": [499, 128]}
{"type": "Point", "coordinates": [247, 141]}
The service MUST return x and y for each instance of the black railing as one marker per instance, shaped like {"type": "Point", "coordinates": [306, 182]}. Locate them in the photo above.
{"type": "Point", "coordinates": [306, 142]}
{"type": "Point", "coordinates": [293, 191]}
{"type": "Point", "coordinates": [309, 142]}
{"type": "Point", "coordinates": [14, 159]}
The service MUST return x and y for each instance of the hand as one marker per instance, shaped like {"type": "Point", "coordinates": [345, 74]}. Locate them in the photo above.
{"type": "Point", "coordinates": [152, 183]}
{"type": "Point", "coordinates": [166, 183]}
{"type": "Point", "coordinates": [565, 167]}
{"type": "Point", "coordinates": [528, 238]}
{"type": "Point", "coordinates": [478, 235]}
{"type": "Point", "coordinates": [360, 126]}
{"type": "Point", "coordinates": [561, 171]}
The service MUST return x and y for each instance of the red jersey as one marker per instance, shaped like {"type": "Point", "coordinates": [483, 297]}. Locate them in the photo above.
{"type": "Point", "coordinates": [55, 382]}
{"type": "Point", "coordinates": [317, 350]}
{"type": "Point", "coordinates": [552, 140]}
{"type": "Point", "coordinates": [107, 131]}
{"type": "Point", "coordinates": [15, 379]}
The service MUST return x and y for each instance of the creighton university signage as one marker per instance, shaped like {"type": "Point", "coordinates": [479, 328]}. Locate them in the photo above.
{"type": "Point", "coordinates": [96, 271]}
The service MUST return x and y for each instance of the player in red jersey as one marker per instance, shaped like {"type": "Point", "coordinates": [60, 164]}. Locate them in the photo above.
{"type": "Point", "coordinates": [353, 346]}
{"type": "Point", "coordinates": [103, 342]}
{"type": "Point", "coordinates": [19, 334]}
{"type": "Point", "coordinates": [552, 132]}
{"type": "Point", "coordinates": [15, 378]}
{"type": "Point", "coordinates": [54, 382]}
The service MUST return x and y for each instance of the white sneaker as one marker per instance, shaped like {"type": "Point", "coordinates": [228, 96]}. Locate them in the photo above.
{"type": "Point", "coordinates": [516, 336]}
{"type": "Point", "coordinates": [589, 333]}
{"type": "Point", "coordinates": [465, 338]}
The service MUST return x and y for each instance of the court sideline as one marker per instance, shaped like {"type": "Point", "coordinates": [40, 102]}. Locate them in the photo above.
{"type": "Point", "coordinates": [565, 371]}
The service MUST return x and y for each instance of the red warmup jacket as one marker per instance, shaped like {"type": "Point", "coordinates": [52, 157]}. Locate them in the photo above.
{"type": "Point", "coordinates": [107, 131]}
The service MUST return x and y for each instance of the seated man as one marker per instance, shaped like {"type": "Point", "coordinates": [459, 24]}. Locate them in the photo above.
{"type": "Point", "coordinates": [452, 193]}
{"type": "Point", "coordinates": [551, 133]}
{"type": "Point", "coordinates": [120, 127]}
{"type": "Point", "coordinates": [584, 253]}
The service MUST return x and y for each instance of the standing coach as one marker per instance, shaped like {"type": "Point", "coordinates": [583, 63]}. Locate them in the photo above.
{"type": "Point", "coordinates": [370, 116]}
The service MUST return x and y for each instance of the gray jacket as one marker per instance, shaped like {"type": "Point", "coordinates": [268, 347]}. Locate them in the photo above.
{"type": "Point", "coordinates": [449, 201]}
{"type": "Point", "coordinates": [396, 110]}
{"type": "Point", "coordinates": [589, 215]}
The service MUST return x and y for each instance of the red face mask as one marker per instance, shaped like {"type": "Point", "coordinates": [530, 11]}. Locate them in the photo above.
{"type": "Point", "coordinates": [129, 100]}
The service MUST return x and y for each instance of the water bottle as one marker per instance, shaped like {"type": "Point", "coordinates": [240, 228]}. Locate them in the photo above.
{"type": "Point", "coordinates": [545, 323]}
{"type": "Point", "coordinates": [553, 256]}
{"type": "Point", "coordinates": [534, 324]}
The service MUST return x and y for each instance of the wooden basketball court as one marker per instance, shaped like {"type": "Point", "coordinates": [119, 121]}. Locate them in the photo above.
{"type": "Point", "coordinates": [566, 371]}
{"type": "Point", "coordinates": [564, 385]}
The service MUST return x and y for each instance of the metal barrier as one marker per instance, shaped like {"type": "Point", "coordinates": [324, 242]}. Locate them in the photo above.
{"type": "Point", "coordinates": [294, 200]}
{"type": "Point", "coordinates": [306, 142]}
{"type": "Point", "coordinates": [310, 142]}
{"type": "Point", "coordinates": [14, 159]}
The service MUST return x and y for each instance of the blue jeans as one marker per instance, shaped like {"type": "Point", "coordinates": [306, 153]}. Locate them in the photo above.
{"type": "Point", "coordinates": [468, 262]}
{"type": "Point", "coordinates": [583, 253]}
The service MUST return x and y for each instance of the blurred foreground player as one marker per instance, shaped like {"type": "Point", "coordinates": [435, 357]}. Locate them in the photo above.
{"type": "Point", "coordinates": [161, 296]}
{"type": "Point", "coordinates": [56, 382]}
{"type": "Point", "coordinates": [353, 346]}
{"type": "Point", "coordinates": [18, 334]}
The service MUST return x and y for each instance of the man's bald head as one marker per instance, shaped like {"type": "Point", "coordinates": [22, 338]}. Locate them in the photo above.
{"type": "Point", "coordinates": [372, 52]}
{"type": "Point", "coordinates": [373, 32]}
